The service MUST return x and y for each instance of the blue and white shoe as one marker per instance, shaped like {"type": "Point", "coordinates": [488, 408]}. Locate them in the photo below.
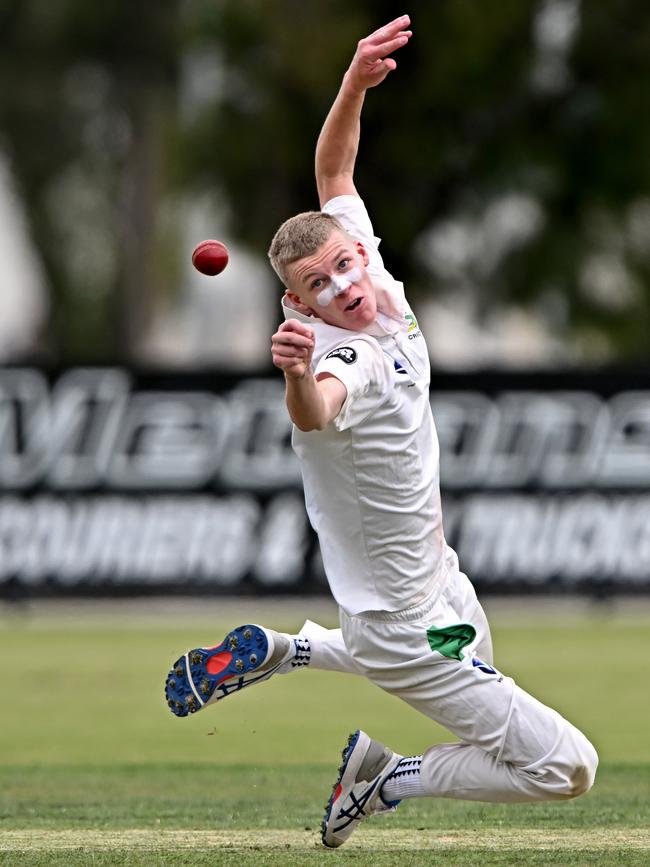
{"type": "Point", "coordinates": [247, 655]}
{"type": "Point", "coordinates": [357, 792]}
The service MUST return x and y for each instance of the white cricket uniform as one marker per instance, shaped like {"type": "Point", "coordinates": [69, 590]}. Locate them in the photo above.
{"type": "Point", "coordinates": [371, 477]}
{"type": "Point", "coordinates": [410, 620]}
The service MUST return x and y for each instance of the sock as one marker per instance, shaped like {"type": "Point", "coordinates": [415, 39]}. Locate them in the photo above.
{"type": "Point", "coordinates": [405, 781]}
{"type": "Point", "coordinates": [303, 651]}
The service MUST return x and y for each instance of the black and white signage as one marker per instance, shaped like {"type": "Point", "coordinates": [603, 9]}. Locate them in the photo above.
{"type": "Point", "coordinates": [112, 481]}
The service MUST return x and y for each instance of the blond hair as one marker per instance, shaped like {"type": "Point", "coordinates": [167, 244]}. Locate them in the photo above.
{"type": "Point", "coordinates": [301, 236]}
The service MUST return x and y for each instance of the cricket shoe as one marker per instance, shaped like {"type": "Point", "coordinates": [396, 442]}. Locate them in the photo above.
{"type": "Point", "coordinates": [357, 792]}
{"type": "Point", "coordinates": [248, 654]}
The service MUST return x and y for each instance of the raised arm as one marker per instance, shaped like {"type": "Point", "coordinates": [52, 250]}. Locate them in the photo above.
{"type": "Point", "coordinates": [336, 151]}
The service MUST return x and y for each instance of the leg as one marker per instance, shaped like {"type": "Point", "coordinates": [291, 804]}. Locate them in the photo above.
{"type": "Point", "coordinates": [513, 747]}
{"type": "Point", "coordinates": [328, 650]}
{"type": "Point", "coordinates": [249, 655]}
{"type": "Point", "coordinates": [521, 752]}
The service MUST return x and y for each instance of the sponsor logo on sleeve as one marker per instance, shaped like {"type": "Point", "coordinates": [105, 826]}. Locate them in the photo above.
{"type": "Point", "coordinates": [413, 329]}
{"type": "Point", "coordinates": [412, 322]}
{"type": "Point", "coordinates": [345, 353]}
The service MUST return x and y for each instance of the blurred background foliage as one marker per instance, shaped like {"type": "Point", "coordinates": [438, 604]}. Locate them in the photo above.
{"type": "Point", "coordinates": [507, 161]}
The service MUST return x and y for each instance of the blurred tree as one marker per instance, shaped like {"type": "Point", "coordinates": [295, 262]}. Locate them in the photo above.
{"type": "Point", "coordinates": [505, 162]}
{"type": "Point", "coordinates": [83, 116]}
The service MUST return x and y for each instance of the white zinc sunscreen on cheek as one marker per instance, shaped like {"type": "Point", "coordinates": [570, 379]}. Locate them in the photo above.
{"type": "Point", "coordinates": [337, 285]}
{"type": "Point", "coordinates": [326, 295]}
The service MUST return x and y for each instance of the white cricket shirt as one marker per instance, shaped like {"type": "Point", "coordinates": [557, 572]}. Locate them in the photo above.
{"type": "Point", "coordinates": [371, 477]}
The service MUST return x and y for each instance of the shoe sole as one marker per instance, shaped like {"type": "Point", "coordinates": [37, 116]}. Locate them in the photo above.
{"type": "Point", "coordinates": [194, 677]}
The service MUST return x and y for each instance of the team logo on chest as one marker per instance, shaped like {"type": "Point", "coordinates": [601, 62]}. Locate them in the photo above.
{"type": "Point", "coordinates": [345, 353]}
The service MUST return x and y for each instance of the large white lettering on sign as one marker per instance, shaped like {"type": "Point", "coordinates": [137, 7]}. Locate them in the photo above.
{"type": "Point", "coordinates": [107, 483]}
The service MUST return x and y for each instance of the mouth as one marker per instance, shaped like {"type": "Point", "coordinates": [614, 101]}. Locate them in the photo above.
{"type": "Point", "coordinates": [354, 305]}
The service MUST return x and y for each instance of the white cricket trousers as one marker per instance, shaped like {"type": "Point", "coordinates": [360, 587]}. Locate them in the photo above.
{"type": "Point", "coordinates": [513, 748]}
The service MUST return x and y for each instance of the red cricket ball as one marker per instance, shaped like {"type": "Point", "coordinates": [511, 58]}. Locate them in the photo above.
{"type": "Point", "coordinates": [210, 257]}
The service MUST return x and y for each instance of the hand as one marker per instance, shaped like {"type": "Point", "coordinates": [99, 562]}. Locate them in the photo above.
{"type": "Point", "coordinates": [371, 64]}
{"type": "Point", "coordinates": [292, 347]}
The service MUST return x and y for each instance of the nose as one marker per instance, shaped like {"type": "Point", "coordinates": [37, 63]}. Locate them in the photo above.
{"type": "Point", "coordinates": [341, 284]}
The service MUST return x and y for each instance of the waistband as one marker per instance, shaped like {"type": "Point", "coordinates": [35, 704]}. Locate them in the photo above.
{"type": "Point", "coordinates": [413, 612]}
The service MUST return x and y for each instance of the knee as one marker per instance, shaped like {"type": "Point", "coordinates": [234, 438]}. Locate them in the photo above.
{"type": "Point", "coordinates": [574, 771]}
{"type": "Point", "coordinates": [582, 772]}
{"type": "Point", "coordinates": [569, 771]}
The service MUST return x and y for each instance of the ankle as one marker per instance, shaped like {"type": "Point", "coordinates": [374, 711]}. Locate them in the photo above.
{"type": "Point", "coordinates": [404, 781]}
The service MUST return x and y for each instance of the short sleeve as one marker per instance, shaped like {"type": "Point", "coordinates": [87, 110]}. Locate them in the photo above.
{"type": "Point", "coordinates": [362, 367]}
{"type": "Point", "coordinates": [352, 213]}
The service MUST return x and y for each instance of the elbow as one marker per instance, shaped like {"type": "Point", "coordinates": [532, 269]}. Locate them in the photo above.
{"type": "Point", "coordinates": [307, 426]}
{"type": "Point", "coordinates": [332, 182]}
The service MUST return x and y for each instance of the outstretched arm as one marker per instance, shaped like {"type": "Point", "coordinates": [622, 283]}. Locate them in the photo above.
{"type": "Point", "coordinates": [312, 402]}
{"type": "Point", "coordinates": [336, 151]}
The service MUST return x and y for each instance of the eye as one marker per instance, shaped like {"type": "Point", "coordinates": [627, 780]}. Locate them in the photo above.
{"type": "Point", "coordinates": [343, 264]}
{"type": "Point", "coordinates": [317, 283]}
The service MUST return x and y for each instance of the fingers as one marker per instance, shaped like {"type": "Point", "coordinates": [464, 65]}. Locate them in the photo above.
{"type": "Point", "coordinates": [295, 333]}
{"type": "Point", "coordinates": [390, 29]}
{"type": "Point", "coordinates": [292, 345]}
{"type": "Point", "coordinates": [371, 62]}
{"type": "Point", "coordinates": [383, 48]}
{"type": "Point", "coordinates": [389, 38]}
{"type": "Point", "coordinates": [297, 326]}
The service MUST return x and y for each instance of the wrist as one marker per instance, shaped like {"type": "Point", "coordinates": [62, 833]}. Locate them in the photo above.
{"type": "Point", "coordinates": [351, 88]}
{"type": "Point", "coordinates": [298, 377]}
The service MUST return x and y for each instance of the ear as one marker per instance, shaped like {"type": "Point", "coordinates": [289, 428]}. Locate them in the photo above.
{"type": "Point", "coordinates": [361, 250]}
{"type": "Point", "coordinates": [298, 304]}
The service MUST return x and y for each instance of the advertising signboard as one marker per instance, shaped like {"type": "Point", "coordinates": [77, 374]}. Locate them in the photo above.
{"type": "Point", "coordinates": [114, 481]}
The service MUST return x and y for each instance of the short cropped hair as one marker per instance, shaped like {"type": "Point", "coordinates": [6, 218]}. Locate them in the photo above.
{"type": "Point", "coordinates": [301, 236]}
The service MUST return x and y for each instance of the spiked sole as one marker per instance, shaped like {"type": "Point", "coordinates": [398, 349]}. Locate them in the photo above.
{"type": "Point", "coordinates": [196, 676]}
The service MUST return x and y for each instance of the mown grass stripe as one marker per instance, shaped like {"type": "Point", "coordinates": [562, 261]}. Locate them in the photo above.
{"type": "Point", "coordinates": [569, 839]}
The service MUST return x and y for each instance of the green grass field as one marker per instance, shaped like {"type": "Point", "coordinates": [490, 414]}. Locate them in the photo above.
{"type": "Point", "coordinates": [95, 770]}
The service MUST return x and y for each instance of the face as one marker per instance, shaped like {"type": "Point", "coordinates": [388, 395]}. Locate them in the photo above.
{"type": "Point", "coordinates": [334, 285]}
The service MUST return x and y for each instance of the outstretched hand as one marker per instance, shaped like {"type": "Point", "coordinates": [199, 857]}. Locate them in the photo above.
{"type": "Point", "coordinates": [371, 63]}
{"type": "Point", "coordinates": [292, 348]}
